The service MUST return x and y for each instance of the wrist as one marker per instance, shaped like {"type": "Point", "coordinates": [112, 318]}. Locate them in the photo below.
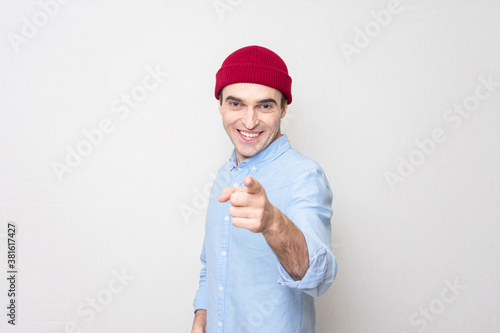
{"type": "Point", "coordinates": [200, 317]}
{"type": "Point", "coordinates": [275, 223]}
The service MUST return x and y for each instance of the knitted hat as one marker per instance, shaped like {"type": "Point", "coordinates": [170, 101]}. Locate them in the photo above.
{"type": "Point", "coordinates": [254, 64]}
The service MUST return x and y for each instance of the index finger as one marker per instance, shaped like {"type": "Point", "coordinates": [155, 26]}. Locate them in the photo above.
{"type": "Point", "coordinates": [253, 186]}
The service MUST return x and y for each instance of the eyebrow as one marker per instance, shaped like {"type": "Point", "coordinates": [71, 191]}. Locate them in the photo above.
{"type": "Point", "coordinates": [266, 100]}
{"type": "Point", "coordinates": [234, 98]}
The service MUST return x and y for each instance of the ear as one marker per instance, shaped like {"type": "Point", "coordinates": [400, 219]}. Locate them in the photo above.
{"type": "Point", "coordinates": [283, 111]}
{"type": "Point", "coordinates": [220, 101]}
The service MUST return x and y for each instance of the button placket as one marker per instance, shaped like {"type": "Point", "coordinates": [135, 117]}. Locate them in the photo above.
{"type": "Point", "coordinates": [224, 264]}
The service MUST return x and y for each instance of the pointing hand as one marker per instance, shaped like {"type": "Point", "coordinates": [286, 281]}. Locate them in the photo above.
{"type": "Point", "coordinates": [250, 207]}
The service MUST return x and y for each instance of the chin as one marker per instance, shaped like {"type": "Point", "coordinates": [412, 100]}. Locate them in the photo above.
{"type": "Point", "coordinates": [247, 154]}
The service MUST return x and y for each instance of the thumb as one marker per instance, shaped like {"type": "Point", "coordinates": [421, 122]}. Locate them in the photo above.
{"type": "Point", "coordinates": [226, 193]}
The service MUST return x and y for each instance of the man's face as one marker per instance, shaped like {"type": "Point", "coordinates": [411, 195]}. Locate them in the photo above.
{"type": "Point", "coordinates": [251, 115]}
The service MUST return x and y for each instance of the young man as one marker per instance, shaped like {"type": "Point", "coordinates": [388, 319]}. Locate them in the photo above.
{"type": "Point", "coordinates": [266, 252]}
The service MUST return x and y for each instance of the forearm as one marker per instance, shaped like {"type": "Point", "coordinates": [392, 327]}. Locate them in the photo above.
{"type": "Point", "coordinates": [289, 245]}
{"type": "Point", "coordinates": [200, 321]}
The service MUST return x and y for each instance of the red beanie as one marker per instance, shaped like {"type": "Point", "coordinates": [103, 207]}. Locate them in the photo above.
{"type": "Point", "coordinates": [255, 64]}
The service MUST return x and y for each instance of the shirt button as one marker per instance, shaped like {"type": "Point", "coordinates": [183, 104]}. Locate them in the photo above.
{"type": "Point", "coordinates": [226, 218]}
{"type": "Point", "coordinates": [253, 168]}
{"type": "Point", "coordinates": [224, 253]}
{"type": "Point", "coordinates": [235, 185]}
{"type": "Point", "coordinates": [221, 288]}
{"type": "Point", "coordinates": [220, 324]}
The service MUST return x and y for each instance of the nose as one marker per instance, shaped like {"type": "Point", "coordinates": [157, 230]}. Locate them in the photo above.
{"type": "Point", "coordinates": [250, 119]}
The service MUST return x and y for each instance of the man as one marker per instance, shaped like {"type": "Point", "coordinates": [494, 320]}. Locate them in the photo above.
{"type": "Point", "coordinates": [266, 252]}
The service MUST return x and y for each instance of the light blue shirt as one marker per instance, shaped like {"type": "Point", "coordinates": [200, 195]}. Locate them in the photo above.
{"type": "Point", "coordinates": [243, 286]}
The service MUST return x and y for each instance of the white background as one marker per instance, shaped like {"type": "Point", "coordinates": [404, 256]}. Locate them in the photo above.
{"type": "Point", "coordinates": [135, 204]}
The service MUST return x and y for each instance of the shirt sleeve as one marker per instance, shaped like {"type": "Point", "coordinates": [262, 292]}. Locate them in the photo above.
{"type": "Point", "coordinates": [200, 299]}
{"type": "Point", "coordinates": [310, 209]}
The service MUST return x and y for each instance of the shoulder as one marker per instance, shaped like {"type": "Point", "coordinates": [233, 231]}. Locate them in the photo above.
{"type": "Point", "coordinates": [224, 170]}
{"type": "Point", "coordinates": [293, 170]}
{"type": "Point", "coordinates": [297, 163]}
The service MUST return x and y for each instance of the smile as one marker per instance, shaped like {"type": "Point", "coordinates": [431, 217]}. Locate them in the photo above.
{"type": "Point", "coordinates": [249, 135]}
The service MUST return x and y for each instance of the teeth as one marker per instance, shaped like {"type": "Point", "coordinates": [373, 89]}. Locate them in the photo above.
{"type": "Point", "coordinates": [249, 135]}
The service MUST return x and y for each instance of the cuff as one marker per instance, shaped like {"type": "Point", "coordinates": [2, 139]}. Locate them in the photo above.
{"type": "Point", "coordinates": [200, 300]}
{"type": "Point", "coordinates": [318, 264]}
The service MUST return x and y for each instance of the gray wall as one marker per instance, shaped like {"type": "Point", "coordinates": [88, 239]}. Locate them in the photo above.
{"type": "Point", "coordinates": [108, 191]}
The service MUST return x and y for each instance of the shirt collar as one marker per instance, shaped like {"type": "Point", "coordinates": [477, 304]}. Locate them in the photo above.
{"type": "Point", "coordinates": [270, 153]}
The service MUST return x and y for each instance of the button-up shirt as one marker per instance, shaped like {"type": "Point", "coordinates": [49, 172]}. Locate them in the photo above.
{"type": "Point", "coordinates": [243, 286]}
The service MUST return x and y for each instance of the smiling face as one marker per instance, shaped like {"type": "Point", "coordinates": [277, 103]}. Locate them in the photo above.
{"type": "Point", "coordinates": [251, 115]}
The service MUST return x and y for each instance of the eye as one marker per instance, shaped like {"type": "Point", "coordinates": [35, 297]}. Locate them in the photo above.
{"type": "Point", "coordinates": [235, 106]}
{"type": "Point", "coordinates": [267, 107]}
